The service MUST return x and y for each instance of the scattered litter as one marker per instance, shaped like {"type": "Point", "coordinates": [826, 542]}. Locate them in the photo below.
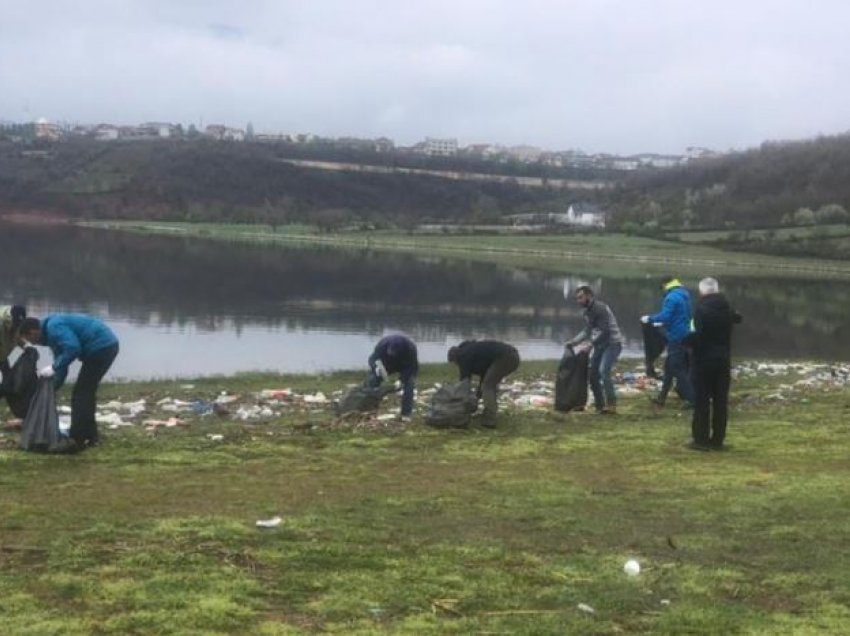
{"type": "Point", "coordinates": [587, 609]}
{"type": "Point", "coordinates": [386, 417]}
{"type": "Point", "coordinates": [665, 602]}
{"type": "Point", "coordinates": [152, 425]}
{"type": "Point", "coordinates": [112, 420]}
{"type": "Point", "coordinates": [187, 387]}
{"type": "Point", "coordinates": [215, 437]}
{"type": "Point", "coordinates": [317, 398]}
{"type": "Point", "coordinates": [274, 522]}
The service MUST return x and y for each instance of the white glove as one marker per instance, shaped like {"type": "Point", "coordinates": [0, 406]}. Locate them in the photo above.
{"type": "Point", "coordinates": [47, 372]}
{"type": "Point", "coordinates": [380, 370]}
{"type": "Point", "coordinates": [644, 319]}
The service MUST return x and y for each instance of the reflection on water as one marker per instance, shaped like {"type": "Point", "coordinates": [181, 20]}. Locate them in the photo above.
{"type": "Point", "coordinates": [186, 307]}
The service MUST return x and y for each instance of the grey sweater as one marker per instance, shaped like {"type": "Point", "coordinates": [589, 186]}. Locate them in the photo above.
{"type": "Point", "coordinates": [601, 326]}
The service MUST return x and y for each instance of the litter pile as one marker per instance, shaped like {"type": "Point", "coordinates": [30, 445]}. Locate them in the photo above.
{"type": "Point", "coordinates": [519, 395]}
{"type": "Point", "coordinates": [809, 377]}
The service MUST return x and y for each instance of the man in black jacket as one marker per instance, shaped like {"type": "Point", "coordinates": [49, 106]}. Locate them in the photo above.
{"type": "Point", "coordinates": [491, 361]}
{"type": "Point", "coordinates": [711, 342]}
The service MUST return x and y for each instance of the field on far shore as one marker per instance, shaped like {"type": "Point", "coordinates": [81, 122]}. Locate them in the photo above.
{"type": "Point", "coordinates": [402, 529]}
{"type": "Point", "coordinates": [632, 255]}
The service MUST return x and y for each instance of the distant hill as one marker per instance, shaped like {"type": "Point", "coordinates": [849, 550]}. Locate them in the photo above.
{"type": "Point", "coordinates": [244, 182]}
{"type": "Point", "coordinates": [762, 187]}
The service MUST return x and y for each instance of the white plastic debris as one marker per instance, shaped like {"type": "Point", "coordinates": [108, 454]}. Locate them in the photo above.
{"type": "Point", "coordinates": [274, 522]}
{"type": "Point", "coordinates": [587, 609]}
{"type": "Point", "coordinates": [215, 437]}
{"type": "Point", "coordinates": [316, 398]}
{"type": "Point", "coordinates": [632, 567]}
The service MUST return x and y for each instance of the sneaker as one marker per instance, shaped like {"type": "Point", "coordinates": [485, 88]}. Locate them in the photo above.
{"type": "Point", "coordinates": [609, 410]}
{"type": "Point", "coordinates": [697, 446]}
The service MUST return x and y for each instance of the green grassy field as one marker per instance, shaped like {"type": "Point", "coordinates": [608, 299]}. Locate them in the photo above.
{"type": "Point", "coordinates": [632, 255]}
{"type": "Point", "coordinates": [416, 531]}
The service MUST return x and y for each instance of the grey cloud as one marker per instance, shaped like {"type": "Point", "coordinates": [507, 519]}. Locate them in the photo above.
{"type": "Point", "coordinates": [609, 75]}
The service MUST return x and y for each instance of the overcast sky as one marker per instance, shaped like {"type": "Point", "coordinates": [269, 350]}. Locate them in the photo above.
{"type": "Point", "coordinates": [599, 75]}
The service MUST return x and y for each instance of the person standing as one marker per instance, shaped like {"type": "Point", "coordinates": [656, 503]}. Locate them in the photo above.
{"type": "Point", "coordinates": [76, 337]}
{"type": "Point", "coordinates": [492, 361]}
{"type": "Point", "coordinates": [601, 331]}
{"type": "Point", "coordinates": [675, 316]}
{"type": "Point", "coordinates": [712, 352]}
{"type": "Point", "coordinates": [11, 317]}
{"type": "Point", "coordinates": [396, 353]}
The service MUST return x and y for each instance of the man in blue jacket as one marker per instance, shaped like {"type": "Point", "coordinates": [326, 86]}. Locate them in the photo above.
{"type": "Point", "coordinates": [76, 337]}
{"type": "Point", "coordinates": [396, 353]}
{"type": "Point", "coordinates": [675, 316]}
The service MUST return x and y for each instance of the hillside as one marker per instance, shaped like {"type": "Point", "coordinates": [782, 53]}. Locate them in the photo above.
{"type": "Point", "coordinates": [200, 180]}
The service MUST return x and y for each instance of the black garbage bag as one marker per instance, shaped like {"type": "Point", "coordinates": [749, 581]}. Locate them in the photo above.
{"type": "Point", "coordinates": [654, 344]}
{"type": "Point", "coordinates": [452, 405]}
{"type": "Point", "coordinates": [20, 385]}
{"type": "Point", "coordinates": [571, 381]}
{"type": "Point", "coordinates": [40, 431]}
{"type": "Point", "coordinates": [363, 399]}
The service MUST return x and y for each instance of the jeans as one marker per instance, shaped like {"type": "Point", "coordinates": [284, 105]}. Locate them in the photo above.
{"type": "Point", "coordinates": [408, 384]}
{"type": "Point", "coordinates": [711, 385]}
{"type": "Point", "coordinates": [601, 363]}
{"type": "Point", "coordinates": [84, 396]}
{"type": "Point", "coordinates": [677, 367]}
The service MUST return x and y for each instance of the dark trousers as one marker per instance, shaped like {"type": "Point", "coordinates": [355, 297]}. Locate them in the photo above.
{"type": "Point", "coordinates": [500, 368]}
{"type": "Point", "coordinates": [408, 385]}
{"type": "Point", "coordinates": [677, 367]}
{"type": "Point", "coordinates": [601, 384]}
{"type": "Point", "coordinates": [711, 408]}
{"type": "Point", "coordinates": [84, 396]}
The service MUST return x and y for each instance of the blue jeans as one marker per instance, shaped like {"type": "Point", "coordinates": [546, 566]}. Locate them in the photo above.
{"type": "Point", "coordinates": [677, 367]}
{"type": "Point", "coordinates": [601, 363]}
{"type": "Point", "coordinates": [408, 384]}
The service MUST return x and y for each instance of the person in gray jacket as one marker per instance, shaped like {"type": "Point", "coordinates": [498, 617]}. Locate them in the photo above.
{"type": "Point", "coordinates": [601, 331]}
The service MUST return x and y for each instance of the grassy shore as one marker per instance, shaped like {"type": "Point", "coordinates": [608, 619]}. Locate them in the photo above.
{"type": "Point", "coordinates": [634, 255]}
{"type": "Point", "coordinates": [417, 531]}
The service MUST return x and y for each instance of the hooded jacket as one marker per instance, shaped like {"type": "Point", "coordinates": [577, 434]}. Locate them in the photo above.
{"type": "Point", "coordinates": [397, 353]}
{"type": "Point", "coordinates": [713, 321]}
{"type": "Point", "coordinates": [675, 313]}
{"type": "Point", "coordinates": [72, 337]}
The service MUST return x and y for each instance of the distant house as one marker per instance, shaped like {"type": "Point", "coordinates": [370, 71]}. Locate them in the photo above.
{"type": "Point", "coordinates": [157, 129]}
{"type": "Point", "coordinates": [224, 133]}
{"type": "Point", "coordinates": [440, 147]}
{"type": "Point", "coordinates": [106, 132]}
{"type": "Point", "coordinates": [47, 130]}
{"type": "Point", "coordinates": [384, 144]}
{"type": "Point", "coordinates": [585, 215]}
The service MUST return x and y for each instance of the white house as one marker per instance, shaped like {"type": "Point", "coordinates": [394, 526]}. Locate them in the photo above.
{"type": "Point", "coordinates": [440, 147]}
{"type": "Point", "coordinates": [585, 215]}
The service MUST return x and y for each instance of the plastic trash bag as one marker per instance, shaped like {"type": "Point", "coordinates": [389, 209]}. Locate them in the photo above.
{"type": "Point", "coordinates": [452, 406]}
{"type": "Point", "coordinates": [654, 344]}
{"type": "Point", "coordinates": [363, 399]}
{"type": "Point", "coordinates": [40, 430]}
{"type": "Point", "coordinates": [571, 381]}
{"type": "Point", "coordinates": [22, 381]}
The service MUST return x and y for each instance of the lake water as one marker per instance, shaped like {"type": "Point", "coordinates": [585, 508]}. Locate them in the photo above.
{"type": "Point", "coordinates": [188, 307]}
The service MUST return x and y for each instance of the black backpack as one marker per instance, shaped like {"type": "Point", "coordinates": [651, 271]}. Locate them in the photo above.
{"type": "Point", "coordinates": [452, 406]}
{"type": "Point", "coordinates": [22, 382]}
{"type": "Point", "coordinates": [571, 382]}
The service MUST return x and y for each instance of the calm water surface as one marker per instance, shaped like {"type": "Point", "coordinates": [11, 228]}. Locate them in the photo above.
{"type": "Point", "coordinates": [188, 307]}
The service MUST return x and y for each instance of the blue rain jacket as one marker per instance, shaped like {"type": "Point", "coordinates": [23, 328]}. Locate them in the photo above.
{"type": "Point", "coordinates": [675, 314]}
{"type": "Point", "coordinates": [72, 337]}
